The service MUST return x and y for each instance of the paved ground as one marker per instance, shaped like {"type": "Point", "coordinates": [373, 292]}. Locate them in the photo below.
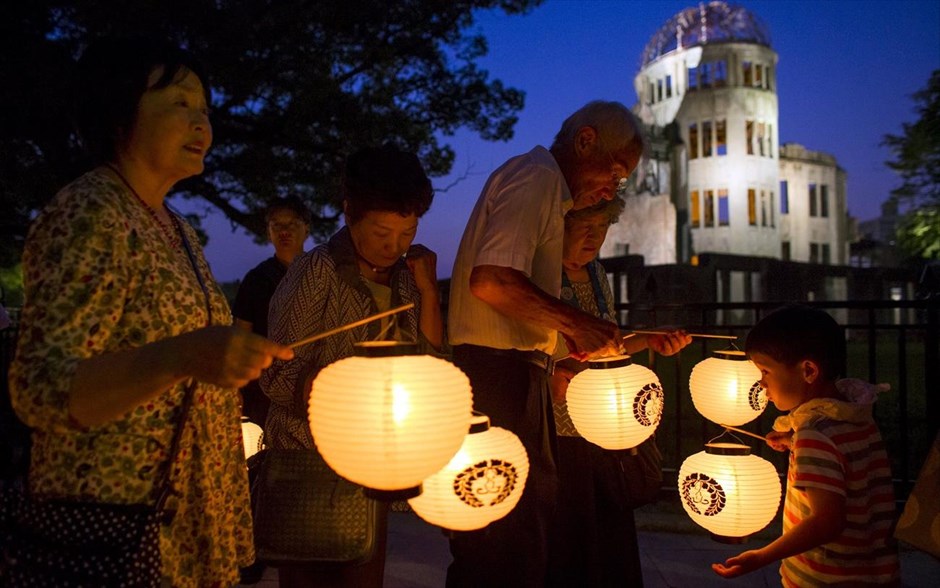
{"type": "Point", "coordinates": [674, 552]}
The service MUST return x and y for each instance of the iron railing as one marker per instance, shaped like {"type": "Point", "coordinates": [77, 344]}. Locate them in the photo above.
{"type": "Point", "coordinates": [888, 341]}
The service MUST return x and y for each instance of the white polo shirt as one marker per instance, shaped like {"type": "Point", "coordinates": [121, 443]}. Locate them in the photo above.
{"type": "Point", "coordinates": [518, 222]}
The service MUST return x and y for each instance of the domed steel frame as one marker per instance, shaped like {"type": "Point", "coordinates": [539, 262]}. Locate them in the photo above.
{"type": "Point", "coordinates": [712, 22]}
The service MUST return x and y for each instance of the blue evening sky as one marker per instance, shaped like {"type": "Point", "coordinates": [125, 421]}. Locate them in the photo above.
{"type": "Point", "coordinates": [845, 74]}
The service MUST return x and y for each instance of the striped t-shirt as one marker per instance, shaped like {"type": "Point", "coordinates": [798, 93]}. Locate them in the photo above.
{"type": "Point", "coordinates": [847, 458]}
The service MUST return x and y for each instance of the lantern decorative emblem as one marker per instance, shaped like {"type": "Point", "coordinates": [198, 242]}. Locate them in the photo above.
{"type": "Point", "coordinates": [728, 491]}
{"type": "Point", "coordinates": [482, 483]}
{"type": "Point", "coordinates": [252, 437]}
{"type": "Point", "coordinates": [726, 388]}
{"type": "Point", "coordinates": [388, 418]}
{"type": "Point", "coordinates": [615, 403]}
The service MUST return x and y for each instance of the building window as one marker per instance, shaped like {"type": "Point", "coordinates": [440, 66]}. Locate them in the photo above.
{"type": "Point", "coordinates": [824, 201]}
{"type": "Point", "coordinates": [784, 197]}
{"type": "Point", "coordinates": [785, 250]}
{"type": "Point", "coordinates": [763, 208]}
{"type": "Point", "coordinates": [759, 75]}
{"type": "Point", "coordinates": [771, 208]}
{"type": "Point", "coordinates": [813, 211]}
{"type": "Point", "coordinates": [749, 136]}
{"type": "Point", "coordinates": [659, 90]}
{"type": "Point", "coordinates": [748, 75]}
{"type": "Point", "coordinates": [668, 86]}
{"type": "Point", "coordinates": [709, 208]}
{"type": "Point", "coordinates": [721, 74]}
{"type": "Point", "coordinates": [696, 211]}
{"type": "Point", "coordinates": [752, 207]}
{"type": "Point", "coordinates": [760, 137]}
{"type": "Point", "coordinates": [693, 141]}
{"type": "Point", "coordinates": [652, 93]}
{"type": "Point", "coordinates": [814, 252]}
{"type": "Point", "coordinates": [707, 138]}
{"type": "Point", "coordinates": [693, 80]}
{"type": "Point", "coordinates": [826, 257]}
{"type": "Point", "coordinates": [724, 213]}
{"type": "Point", "coordinates": [721, 140]}
{"type": "Point", "coordinates": [767, 76]}
{"type": "Point", "coordinates": [705, 77]}
{"type": "Point", "coordinates": [770, 140]}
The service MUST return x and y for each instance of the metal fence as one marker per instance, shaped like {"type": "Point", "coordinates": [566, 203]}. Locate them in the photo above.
{"type": "Point", "coordinates": [888, 341]}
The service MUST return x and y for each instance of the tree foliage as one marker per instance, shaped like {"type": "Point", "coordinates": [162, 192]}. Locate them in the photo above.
{"type": "Point", "coordinates": [917, 161]}
{"type": "Point", "coordinates": [297, 85]}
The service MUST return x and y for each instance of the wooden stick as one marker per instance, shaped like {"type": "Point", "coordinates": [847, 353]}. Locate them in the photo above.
{"type": "Point", "coordinates": [742, 431]}
{"type": "Point", "coordinates": [351, 325]}
{"type": "Point", "coordinates": [703, 335]}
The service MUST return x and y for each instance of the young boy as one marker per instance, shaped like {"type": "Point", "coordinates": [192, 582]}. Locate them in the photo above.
{"type": "Point", "coordinates": [839, 509]}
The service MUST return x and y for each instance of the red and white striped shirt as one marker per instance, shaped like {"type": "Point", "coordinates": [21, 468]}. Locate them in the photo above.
{"type": "Point", "coordinates": [848, 458]}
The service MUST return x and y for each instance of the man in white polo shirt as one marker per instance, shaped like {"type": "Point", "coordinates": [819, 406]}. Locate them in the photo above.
{"type": "Point", "coordinates": [504, 317]}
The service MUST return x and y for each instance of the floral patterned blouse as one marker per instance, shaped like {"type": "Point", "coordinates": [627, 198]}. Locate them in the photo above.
{"type": "Point", "coordinates": [101, 277]}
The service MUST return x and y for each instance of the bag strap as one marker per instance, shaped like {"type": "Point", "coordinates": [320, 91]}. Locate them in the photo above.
{"type": "Point", "coordinates": [166, 487]}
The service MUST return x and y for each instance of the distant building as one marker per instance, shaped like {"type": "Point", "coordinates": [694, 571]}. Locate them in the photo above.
{"type": "Point", "coordinates": [717, 180]}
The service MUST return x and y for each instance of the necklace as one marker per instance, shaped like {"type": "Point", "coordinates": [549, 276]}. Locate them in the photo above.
{"type": "Point", "coordinates": [171, 233]}
{"type": "Point", "coordinates": [375, 269]}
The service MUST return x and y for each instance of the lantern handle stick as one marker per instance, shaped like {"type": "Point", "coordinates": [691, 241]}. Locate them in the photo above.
{"type": "Point", "coordinates": [742, 431]}
{"type": "Point", "coordinates": [703, 335]}
{"type": "Point", "coordinates": [352, 325]}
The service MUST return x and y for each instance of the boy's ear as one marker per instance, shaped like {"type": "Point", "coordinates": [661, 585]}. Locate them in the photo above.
{"type": "Point", "coordinates": [809, 370]}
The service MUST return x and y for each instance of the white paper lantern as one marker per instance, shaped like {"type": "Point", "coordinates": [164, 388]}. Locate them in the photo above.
{"type": "Point", "coordinates": [728, 491]}
{"type": "Point", "coordinates": [252, 437]}
{"type": "Point", "coordinates": [387, 419]}
{"type": "Point", "coordinates": [726, 388]}
{"type": "Point", "coordinates": [482, 483]}
{"type": "Point", "coordinates": [615, 403]}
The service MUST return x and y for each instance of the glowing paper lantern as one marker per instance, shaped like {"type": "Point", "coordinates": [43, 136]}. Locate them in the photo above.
{"type": "Point", "coordinates": [726, 388]}
{"type": "Point", "coordinates": [388, 418]}
{"type": "Point", "coordinates": [615, 403]}
{"type": "Point", "coordinates": [481, 484]}
{"type": "Point", "coordinates": [252, 437]}
{"type": "Point", "coordinates": [728, 491]}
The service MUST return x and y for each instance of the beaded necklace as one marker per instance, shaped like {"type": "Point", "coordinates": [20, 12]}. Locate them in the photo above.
{"type": "Point", "coordinates": [171, 233]}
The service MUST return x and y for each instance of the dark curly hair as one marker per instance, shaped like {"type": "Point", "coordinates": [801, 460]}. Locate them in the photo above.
{"type": "Point", "coordinates": [112, 76]}
{"type": "Point", "coordinates": [385, 179]}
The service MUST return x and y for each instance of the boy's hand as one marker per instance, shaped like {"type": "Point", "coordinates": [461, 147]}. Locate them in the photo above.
{"type": "Point", "coordinates": [780, 440]}
{"type": "Point", "coordinates": [740, 564]}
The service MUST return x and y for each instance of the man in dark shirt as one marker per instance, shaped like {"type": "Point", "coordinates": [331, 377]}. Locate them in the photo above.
{"type": "Point", "coordinates": [288, 222]}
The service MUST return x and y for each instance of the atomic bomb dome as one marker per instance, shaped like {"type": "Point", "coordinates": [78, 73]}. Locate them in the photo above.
{"type": "Point", "coordinates": [712, 22]}
{"type": "Point", "coordinates": [717, 179]}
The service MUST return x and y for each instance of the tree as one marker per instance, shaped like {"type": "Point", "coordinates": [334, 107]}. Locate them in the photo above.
{"type": "Point", "coordinates": [917, 161]}
{"type": "Point", "coordinates": [297, 85]}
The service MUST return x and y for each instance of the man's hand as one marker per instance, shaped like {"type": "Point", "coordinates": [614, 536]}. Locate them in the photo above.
{"type": "Point", "coordinates": [591, 338]}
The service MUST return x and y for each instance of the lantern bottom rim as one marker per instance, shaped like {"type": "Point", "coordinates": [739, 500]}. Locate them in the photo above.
{"type": "Point", "coordinates": [729, 540]}
{"type": "Point", "coordinates": [392, 495]}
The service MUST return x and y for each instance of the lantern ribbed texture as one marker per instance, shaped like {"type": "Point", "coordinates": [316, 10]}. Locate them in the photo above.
{"type": "Point", "coordinates": [732, 496]}
{"type": "Point", "coordinates": [389, 422]}
{"type": "Point", "coordinates": [482, 483]}
{"type": "Point", "coordinates": [252, 437]}
{"type": "Point", "coordinates": [615, 407]}
{"type": "Point", "coordinates": [726, 389]}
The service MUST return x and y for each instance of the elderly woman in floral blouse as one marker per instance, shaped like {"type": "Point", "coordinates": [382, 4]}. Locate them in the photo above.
{"type": "Point", "coordinates": [360, 271]}
{"type": "Point", "coordinates": [116, 321]}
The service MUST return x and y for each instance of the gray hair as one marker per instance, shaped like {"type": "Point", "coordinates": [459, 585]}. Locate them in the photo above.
{"type": "Point", "coordinates": [617, 127]}
{"type": "Point", "coordinates": [612, 208]}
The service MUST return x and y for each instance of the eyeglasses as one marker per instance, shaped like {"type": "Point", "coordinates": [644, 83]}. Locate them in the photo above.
{"type": "Point", "coordinates": [288, 226]}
